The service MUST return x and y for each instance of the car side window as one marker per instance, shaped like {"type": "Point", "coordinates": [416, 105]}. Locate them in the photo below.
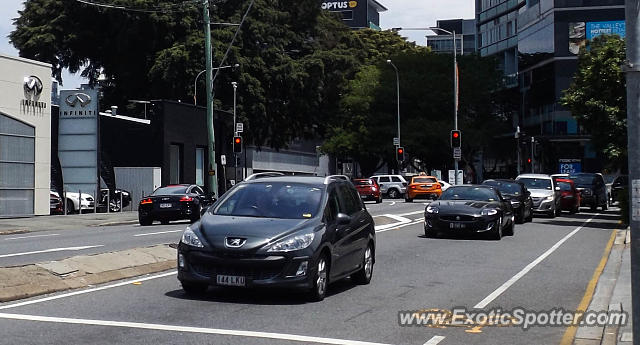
{"type": "Point", "coordinates": [333, 207]}
{"type": "Point", "coordinates": [395, 179]}
{"type": "Point", "coordinates": [348, 200]}
{"type": "Point", "coordinates": [384, 179]}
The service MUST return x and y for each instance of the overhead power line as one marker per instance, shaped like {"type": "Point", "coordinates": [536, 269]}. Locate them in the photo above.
{"type": "Point", "coordinates": [181, 6]}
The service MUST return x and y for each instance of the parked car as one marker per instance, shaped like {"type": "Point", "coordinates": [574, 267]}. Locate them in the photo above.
{"type": "Point", "coordinates": [516, 192]}
{"type": "Point", "coordinates": [545, 195]}
{"type": "Point", "coordinates": [76, 203]}
{"type": "Point", "coordinates": [593, 192]}
{"type": "Point", "coordinates": [290, 231]}
{"type": "Point", "coordinates": [569, 195]}
{"type": "Point", "coordinates": [423, 187]}
{"type": "Point", "coordinates": [619, 184]}
{"type": "Point", "coordinates": [395, 186]}
{"type": "Point", "coordinates": [471, 209]}
{"type": "Point", "coordinates": [55, 204]}
{"type": "Point", "coordinates": [368, 189]}
{"type": "Point", "coordinates": [115, 199]}
{"type": "Point", "coordinates": [173, 202]}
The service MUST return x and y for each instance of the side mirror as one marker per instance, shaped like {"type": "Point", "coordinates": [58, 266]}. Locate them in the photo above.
{"type": "Point", "coordinates": [343, 219]}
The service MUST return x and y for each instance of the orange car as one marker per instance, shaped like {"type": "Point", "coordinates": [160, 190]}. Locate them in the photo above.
{"type": "Point", "coordinates": [426, 187]}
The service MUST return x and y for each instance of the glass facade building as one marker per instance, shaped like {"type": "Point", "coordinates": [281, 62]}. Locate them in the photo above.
{"type": "Point", "coordinates": [465, 30]}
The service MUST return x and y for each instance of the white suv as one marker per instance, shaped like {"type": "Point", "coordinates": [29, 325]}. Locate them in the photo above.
{"type": "Point", "coordinates": [544, 192]}
{"type": "Point", "coordinates": [392, 185]}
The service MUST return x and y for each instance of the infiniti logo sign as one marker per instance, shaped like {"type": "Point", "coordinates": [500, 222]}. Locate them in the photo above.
{"type": "Point", "coordinates": [234, 242]}
{"type": "Point", "coordinates": [76, 98]}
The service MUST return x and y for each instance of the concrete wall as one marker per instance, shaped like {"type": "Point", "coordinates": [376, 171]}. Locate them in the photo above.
{"type": "Point", "coordinates": [13, 71]}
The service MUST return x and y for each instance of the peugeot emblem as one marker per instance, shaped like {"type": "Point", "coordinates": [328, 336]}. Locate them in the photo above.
{"type": "Point", "coordinates": [457, 217]}
{"type": "Point", "coordinates": [78, 97]}
{"type": "Point", "coordinates": [234, 242]}
{"type": "Point", "coordinates": [32, 88]}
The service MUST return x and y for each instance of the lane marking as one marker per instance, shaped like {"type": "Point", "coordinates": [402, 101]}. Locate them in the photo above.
{"type": "Point", "coordinates": [417, 221]}
{"type": "Point", "coordinates": [435, 340]}
{"type": "Point", "coordinates": [570, 333]}
{"type": "Point", "coordinates": [185, 329]}
{"type": "Point", "coordinates": [392, 203]}
{"type": "Point", "coordinates": [157, 233]}
{"type": "Point", "coordinates": [50, 251]}
{"type": "Point", "coordinates": [401, 220]}
{"type": "Point", "coordinates": [32, 236]}
{"type": "Point", "coordinates": [80, 292]}
{"type": "Point", "coordinates": [411, 213]}
{"type": "Point", "coordinates": [529, 267]}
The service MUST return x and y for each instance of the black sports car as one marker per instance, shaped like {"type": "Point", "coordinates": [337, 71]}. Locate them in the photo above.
{"type": "Point", "coordinates": [288, 231]}
{"type": "Point", "coordinates": [516, 192]}
{"type": "Point", "coordinates": [173, 202]}
{"type": "Point", "coordinates": [470, 208]}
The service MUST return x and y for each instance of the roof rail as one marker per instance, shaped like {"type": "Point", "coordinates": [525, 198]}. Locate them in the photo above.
{"type": "Point", "coordinates": [335, 177]}
{"type": "Point", "coordinates": [263, 175]}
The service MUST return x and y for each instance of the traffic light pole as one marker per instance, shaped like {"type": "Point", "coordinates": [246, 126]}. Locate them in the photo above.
{"type": "Point", "coordinates": [213, 166]}
{"type": "Point", "coordinates": [533, 159]}
{"type": "Point", "coordinates": [632, 71]}
{"type": "Point", "coordinates": [455, 99]}
{"type": "Point", "coordinates": [235, 131]}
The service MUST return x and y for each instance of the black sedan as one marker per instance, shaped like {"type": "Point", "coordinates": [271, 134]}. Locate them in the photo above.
{"type": "Point", "coordinates": [173, 202]}
{"type": "Point", "coordinates": [294, 232]}
{"type": "Point", "coordinates": [470, 209]}
{"type": "Point", "coordinates": [516, 192]}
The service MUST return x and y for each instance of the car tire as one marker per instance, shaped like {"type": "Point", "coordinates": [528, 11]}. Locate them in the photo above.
{"type": "Point", "coordinates": [558, 212]}
{"type": "Point", "coordinates": [393, 193]}
{"type": "Point", "coordinates": [379, 200]}
{"type": "Point", "coordinates": [530, 217]}
{"type": "Point", "coordinates": [594, 207]}
{"type": "Point", "coordinates": [552, 214]}
{"type": "Point", "coordinates": [406, 199]}
{"type": "Point", "coordinates": [363, 276]}
{"type": "Point", "coordinates": [520, 217]}
{"type": "Point", "coordinates": [320, 279]}
{"type": "Point", "coordinates": [509, 230]}
{"type": "Point", "coordinates": [145, 221]}
{"type": "Point", "coordinates": [70, 207]}
{"type": "Point", "coordinates": [496, 234]}
{"type": "Point", "coordinates": [604, 207]}
{"type": "Point", "coordinates": [194, 289]}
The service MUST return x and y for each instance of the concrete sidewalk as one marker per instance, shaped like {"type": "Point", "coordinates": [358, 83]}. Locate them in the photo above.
{"type": "Point", "coordinates": [62, 222]}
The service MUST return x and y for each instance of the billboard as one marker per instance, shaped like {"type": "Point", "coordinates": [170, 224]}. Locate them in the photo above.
{"type": "Point", "coordinates": [581, 32]}
{"type": "Point", "coordinates": [569, 166]}
{"type": "Point", "coordinates": [353, 13]}
{"type": "Point", "coordinates": [78, 140]}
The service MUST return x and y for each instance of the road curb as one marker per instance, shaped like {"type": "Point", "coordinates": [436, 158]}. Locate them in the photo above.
{"type": "Point", "coordinates": [14, 231]}
{"type": "Point", "coordinates": [127, 222]}
{"type": "Point", "coordinates": [21, 282]}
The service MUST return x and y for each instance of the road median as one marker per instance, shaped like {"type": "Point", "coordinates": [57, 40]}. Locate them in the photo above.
{"type": "Point", "coordinates": [26, 281]}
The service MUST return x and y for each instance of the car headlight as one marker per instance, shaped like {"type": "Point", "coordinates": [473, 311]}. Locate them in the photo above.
{"type": "Point", "coordinates": [489, 212]}
{"type": "Point", "coordinates": [515, 203]}
{"type": "Point", "coordinates": [293, 243]}
{"type": "Point", "coordinates": [549, 198]}
{"type": "Point", "coordinates": [432, 209]}
{"type": "Point", "coordinates": [190, 238]}
{"type": "Point", "coordinates": [374, 189]}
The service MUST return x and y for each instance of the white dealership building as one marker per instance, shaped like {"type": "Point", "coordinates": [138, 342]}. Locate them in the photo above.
{"type": "Point", "coordinates": [25, 136]}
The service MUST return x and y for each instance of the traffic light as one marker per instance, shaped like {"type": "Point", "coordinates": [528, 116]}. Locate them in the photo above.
{"type": "Point", "coordinates": [456, 138]}
{"type": "Point", "coordinates": [400, 153]}
{"type": "Point", "coordinates": [237, 144]}
{"type": "Point", "coordinates": [529, 160]}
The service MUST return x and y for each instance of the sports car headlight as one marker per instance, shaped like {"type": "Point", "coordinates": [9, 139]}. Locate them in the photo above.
{"type": "Point", "coordinates": [191, 239]}
{"type": "Point", "coordinates": [489, 212]}
{"type": "Point", "coordinates": [432, 209]}
{"type": "Point", "coordinates": [293, 243]}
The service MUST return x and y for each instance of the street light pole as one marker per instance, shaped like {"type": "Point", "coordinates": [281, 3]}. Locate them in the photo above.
{"type": "Point", "coordinates": [195, 81]}
{"type": "Point", "coordinates": [212, 172]}
{"type": "Point", "coordinates": [398, 97]}
{"type": "Point", "coordinates": [235, 130]}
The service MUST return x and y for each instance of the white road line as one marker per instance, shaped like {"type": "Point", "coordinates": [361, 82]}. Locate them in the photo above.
{"type": "Point", "coordinates": [32, 236]}
{"type": "Point", "coordinates": [394, 227]}
{"type": "Point", "coordinates": [411, 213]}
{"type": "Point", "coordinates": [50, 251]}
{"type": "Point", "coordinates": [435, 340]}
{"type": "Point", "coordinates": [80, 292]}
{"type": "Point", "coordinates": [529, 267]}
{"type": "Point", "coordinates": [158, 233]}
{"type": "Point", "coordinates": [401, 220]}
{"type": "Point", "coordinates": [161, 327]}
{"type": "Point", "coordinates": [392, 203]}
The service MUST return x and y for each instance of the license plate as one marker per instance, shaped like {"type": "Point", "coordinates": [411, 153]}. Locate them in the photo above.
{"type": "Point", "coordinates": [457, 225]}
{"type": "Point", "coordinates": [166, 205]}
{"type": "Point", "coordinates": [230, 280]}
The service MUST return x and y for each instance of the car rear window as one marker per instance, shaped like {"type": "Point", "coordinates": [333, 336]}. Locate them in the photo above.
{"type": "Point", "coordinates": [424, 180]}
{"type": "Point", "coordinates": [170, 190]}
{"type": "Point", "coordinates": [584, 179]}
{"type": "Point", "coordinates": [363, 182]}
{"type": "Point", "coordinates": [564, 186]}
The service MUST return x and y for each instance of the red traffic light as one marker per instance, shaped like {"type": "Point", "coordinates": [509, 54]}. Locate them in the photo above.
{"type": "Point", "coordinates": [456, 134]}
{"type": "Point", "coordinates": [237, 140]}
{"type": "Point", "coordinates": [528, 160]}
{"type": "Point", "coordinates": [400, 151]}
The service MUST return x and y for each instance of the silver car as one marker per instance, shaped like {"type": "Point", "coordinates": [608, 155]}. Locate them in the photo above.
{"type": "Point", "coordinates": [392, 185]}
{"type": "Point", "coordinates": [544, 192]}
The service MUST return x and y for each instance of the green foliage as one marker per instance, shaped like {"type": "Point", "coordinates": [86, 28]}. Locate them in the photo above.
{"type": "Point", "coordinates": [597, 98]}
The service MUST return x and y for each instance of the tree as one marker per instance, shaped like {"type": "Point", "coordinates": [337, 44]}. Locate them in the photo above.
{"type": "Point", "coordinates": [597, 98]}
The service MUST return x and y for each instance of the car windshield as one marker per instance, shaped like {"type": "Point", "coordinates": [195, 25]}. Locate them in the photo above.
{"type": "Point", "coordinates": [424, 180]}
{"type": "Point", "coordinates": [170, 190]}
{"type": "Point", "coordinates": [469, 193]}
{"type": "Point", "coordinates": [272, 200]}
{"type": "Point", "coordinates": [362, 182]}
{"type": "Point", "coordinates": [508, 188]}
{"type": "Point", "coordinates": [536, 183]}
{"type": "Point", "coordinates": [564, 186]}
{"type": "Point", "coordinates": [583, 180]}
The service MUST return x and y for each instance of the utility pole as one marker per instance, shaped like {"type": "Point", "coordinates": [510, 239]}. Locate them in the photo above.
{"type": "Point", "coordinates": [632, 71]}
{"type": "Point", "coordinates": [235, 129]}
{"type": "Point", "coordinates": [533, 159]}
{"type": "Point", "coordinates": [213, 166]}
{"type": "Point", "coordinates": [455, 97]}
{"type": "Point", "coordinates": [518, 147]}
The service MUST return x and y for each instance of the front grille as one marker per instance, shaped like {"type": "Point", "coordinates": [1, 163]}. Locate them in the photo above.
{"type": "Point", "coordinates": [460, 218]}
{"type": "Point", "coordinates": [536, 201]}
{"type": "Point", "coordinates": [251, 273]}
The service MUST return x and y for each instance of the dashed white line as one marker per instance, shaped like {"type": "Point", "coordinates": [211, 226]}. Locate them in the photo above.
{"type": "Point", "coordinates": [80, 292]}
{"type": "Point", "coordinates": [201, 330]}
{"type": "Point", "coordinates": [32, 236]}
{"type": "Point", "coordinates": [158, 233]}
{"type": "Point", "coordinates": [50, 251]}
{"type": "Point", "coordinates": [529, 267]}
{"type": "Point", "coordinates": [435, 340]}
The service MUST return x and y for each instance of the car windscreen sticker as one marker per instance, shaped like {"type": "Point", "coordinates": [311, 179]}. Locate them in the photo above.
{"type": "Point", "coordinates": [307, 215]}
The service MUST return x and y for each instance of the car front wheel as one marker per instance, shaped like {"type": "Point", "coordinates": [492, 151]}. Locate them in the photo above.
{"type": "Point", "coordinates": [320, 280]}
{"type": "Point", "coordinates": [194, 289]}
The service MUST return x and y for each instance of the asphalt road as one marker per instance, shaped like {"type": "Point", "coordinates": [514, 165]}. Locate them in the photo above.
{"type": "Point", "coordinates": [546, 264]}
{"type": "Point", "coordinates": [21, 249]}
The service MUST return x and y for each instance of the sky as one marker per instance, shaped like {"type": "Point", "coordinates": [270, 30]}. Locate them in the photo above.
{"type": "Point", "coordinates": [401, 13]}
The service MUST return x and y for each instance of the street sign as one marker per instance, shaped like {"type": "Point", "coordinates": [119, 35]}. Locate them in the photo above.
{"type": "Point", "coordinates": [223, 159]}
{"type": "Point", "coordinates": [452, 178]}
{"type": "Point", "coordinates": [396, 141]}
{"type": "Point", "coordinates": [457, 153]}
{"type": "Point", "coordinates": [239, 127]}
